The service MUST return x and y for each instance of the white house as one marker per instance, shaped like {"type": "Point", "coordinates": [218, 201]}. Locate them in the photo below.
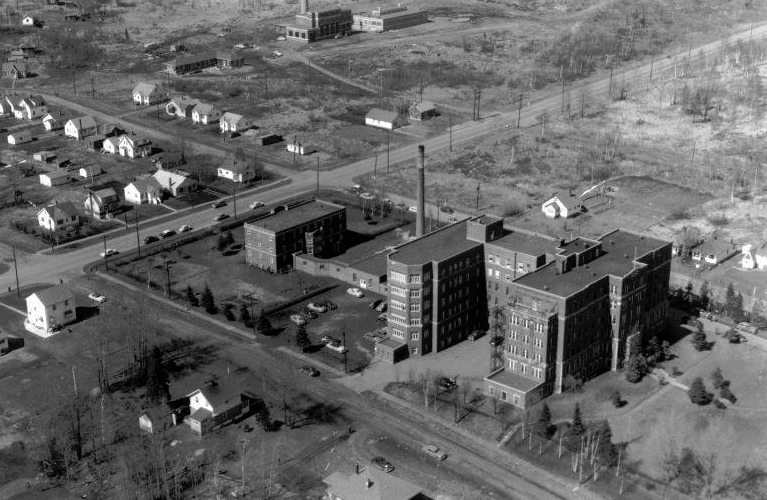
{"type": "Point", "coordinates": [54, 122]}
{"type": "Point", "coordinates": [58, 216]}
{"type": "Point", "coordinates": [236, 170]}
{"type": "Point", "coordinates": [175, 183]}
{"type": "Point", "coordinates": [111, 145]}
{"type": "Point", "coordinates": [19, 137]}
{"type": "Point", "coordinates": [30, 108]}
{"type": "Point", "coordinates": [563, 204]}
{"type": "Point", "coordinates": [90, 171]}
{"type": "Point", "coordinates": [181, 106]}
{"type": "Point", "coordinates": [29, 21]}
{"type": "Point", "coordinates": [205, 114]}
{"type": "Point", "coordinates": [80, 127]}
{"type": "Point", "coordinates": [147, 94]}
{"type": "Point", "coordinates": [301, 149]}
{"type": "Point", "coordinates": [215, 405]}
{"type": "Point", "coordinates": [134, 147]}
{"type": "Point", "coordinates": [143, 191]}
{"type": "Point", "coordinates": [712, 252]}
{"type": "Point", "coordinates": [7, 106]}
{"type": "Point", "coordinates": [102, 202]}
{"type": "Point", "coordinates": [55, 178]}
{"type": "Point", "coordinates": [754, 256]}
{"type": "Point", "coordinates": [157, 419]}
{"type": "Point", "coordinates": [232, 122]}
{"type": "Point", "coordinates": [379, 118]}
{"type": "Point", "coordinates": [369, 484]}
{"type": "Point", "coordinates": [49, 310]}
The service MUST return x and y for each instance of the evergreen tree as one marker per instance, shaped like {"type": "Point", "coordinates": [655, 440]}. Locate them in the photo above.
{"type": "Point", "coordinates": [576, 427]}
{"type": "Point", "coordinates": [157, 378]}
{"type": "Point", "coordinates": [634, 368]}
{"type": "Point", "coordinates": [729, 300]}
{"type": "Point", "coordinates": [207, 301]}
{"type": "Point", "coordinates": [737, 308]}
{"type": "Point", "coordinates": [666, 350]}
{"type": "Point", "coordinates": [264, 325]}
{"type": "Point", "coordinates": [654, 351]}
{"type": "Point", "coordinates": [544, 422]}
{"type": "Point", "coordinates": [302, 338]}
{"type": "Point", "coordinates": [615, 398]}
{"type": "Point", "coordinates": [698, 393]}
{"type": "Point", "coordinates": [699, 341]}
{"type": "Point", "coordinates": [191, 298]}
{"type": "Point", "coordinates": [227, 311]}
{"type": "Point", "coordinates": [222, 242]}
{"type": "Point", "coordinates": [717, 378]}
{"type": "Point", "coordinates": [245, 317]}
{"type": "Point", "coordinates": [704, 293]}
{"type": "Point", "coordinates": [607, 452]}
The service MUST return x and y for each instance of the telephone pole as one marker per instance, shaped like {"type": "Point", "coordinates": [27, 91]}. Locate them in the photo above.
{"type": "Point", "coordinates": [167, 278]}
{"type": "Point", "coordinates": [16, 270]}
{"type": "Point", "coordinates": [138, 242]}
{"type": "Point", "coordinates": [451, 132]}
{"type": "Point", "coordinates": [343, 333]}
{"type": "Point", "coordinates": [234, 198]}
{"type": "Point", "coordinates": [318, 177]}
{"type": "Point", "coordinates": [106, 255]}
{"type": "Point", "coordinates": [388, 137]}
{"type": "Point", "coordinates": [519, 110]}
{"type": "Point", "coordinates": [478, 197]}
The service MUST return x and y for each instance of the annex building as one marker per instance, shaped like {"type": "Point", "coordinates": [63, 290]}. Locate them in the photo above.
{"type": "Point", "coordinates": [311, 26]}
{"type": "Point", "coordinates": [388, 18]}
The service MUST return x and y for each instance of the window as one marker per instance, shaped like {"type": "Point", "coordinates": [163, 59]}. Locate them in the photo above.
{"type": "Point", "coordinates": [508, 277]}
{"type": "Point", "coordinates": [538, 342]}
{"type": "Point", "coordinates": [415, 294]}
{"type": "Point", "coordinates": [397, 305]}
{"type": "Point", "coordinates": [514, 335]}
{"type": "Point", "coordinates": [491, 390]}
{"type": "Point", "coordinates": [354, 276]}
{"type": "Point", "coordinates": [415, 278]}
{"type": "Point", "coordinates": [613, 289]}
{"type": "Point", "coordinates": [397, 333]}
{"type": "Point", "coordinates": [524, 353]}
{"type": "Point", "coordinates": [395, 290]}
{"type": "Point", "coordinates": [538, 357]}
{"type": "Point", "coordinates": [508, 262]}
{"type": "Point", "coordinates": [490, 272]}
{"type": "Point", "coordinates": [513, 365]}
{"type": "Point", "coordinates": [271, 238]}
{"type": "Point", "coordinates": [515, 399]}
{"type": "Point", "coordinates": [415, 321]}
{"type": "Point", "coordinates": [415, 335]}
{"type": "Point", "coordinates": [526, 339]}
{"type": "Point", "coordinates": [398, 277]}
{"type": "Point", "coordinates": [491, 258]}
{"type": "Point", "coordinates": [514, 350]}
{"type": "Point", "coordinates": [397, 319]}
{"type": "Point", "coordinates": [537, 373]}
{"type": "Point", "coordinates": [415, 307]}
{"type": "Point", "coordinates": [259, 244]}
{"type": "Point", "coordinates": [539, 327]}
{"type": "Point", "coordinates": [523, 369]}
{"type": "Point", "coordinates": [514, 320]}
{"type": "Point", "coordinates": [497, 273]}
{"type": "Point", "coordinates": [503, 395]}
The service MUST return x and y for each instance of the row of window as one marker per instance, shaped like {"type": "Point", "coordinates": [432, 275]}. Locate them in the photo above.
{"type": "Point", "coordinates": [537, 373]}
{"type": "Point", "coordinates": [537, 341]}
{"type": "Point", "coordinates": [398, 277]}
{"type": "Point", "coordinates": [401, 335]}
{"type": "Point", "coordinates": [404, 292]}
{"type": "Point", "coordinates": [515, 351]}
{"type": "Point", "coordinates": [527, 323]}
{"type": "Point", "coordinates": [504, 396]}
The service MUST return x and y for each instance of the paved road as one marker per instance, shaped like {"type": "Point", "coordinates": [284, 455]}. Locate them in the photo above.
{"type": "Point", "coordinates": [37, 269]}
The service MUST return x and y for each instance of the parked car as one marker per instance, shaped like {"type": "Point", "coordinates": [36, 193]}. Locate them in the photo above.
{"type": "Point", "coordinates": [220, 217]}
{"type": "Point", "coordinates": [433, 451]}
{"type": "Point", "coordinates": [97, 298]}
{"type": "Point", "coordinates": [447, 209]}
{"type": "Point", "coordinates": [297, 319]}
{"type": "Point", "coordinates": [446, 383]}
{"type": "Point", "coordinates": [355, 292]}
{"type": "Point", "coordinates": [413, 209]}
{"type": "Point", "coordinates": [108, 253]}
{"type": "Point", "coordinates": [313, 306]}
{"type": "Point", "coordinates": [736, 338]}
{"type": "Point", "coordinates": [150, 239]}
{"type": "Point", "coordinates": [218, 204]}
{"type": "Point", "coordinates": [281, 38]}
{"type": "Point", "coordinates": [185, 228]}
{"type": "Point", "coordinates": [278, 208]}
{"type": "Point", "coordinates": [747, 327]}
{"type": "Point", "coordinates": [476, 334]}
{"type": "Point", "coordinates": [336, 346]}
{"type": "Point", "coordinates": [330, 304]}
{"type": "Point", "coordinates": [383, 317]}
{"type": "Point", "coordinates": [452, 220]}
{"type": "Point", "coordinates": [327, 339]}
{"type": "Point", "coordinates": [309, 370]}
{"type": "Point", "coordinates": [382, 464]}
{"type": "Point", "coordinates": [167, 233]}
{"type": "Point", "coordinates": [375, 303]}
{"type": "Point", "coordinates": [367, 196]}
{"type": "Point", "coordinates": [382, 306]}
{"type": "Point", "coordinates": [496, 341]}
{"type": "Point", "coordinates": [257, 204]}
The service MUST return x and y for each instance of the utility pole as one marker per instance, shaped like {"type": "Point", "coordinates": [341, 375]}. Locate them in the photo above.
{"type": "Point", "coordinates": [343, 333]}
{"type": "Point", "coordinates": [138, 242]}
{"type": "Point", "coordinates": [244, 443]}
{"type": "Point", "coordinates": [167, 279]}
{"type": "Point", "coordinates": [78, 433]}
{"type": "Point", "coordinates": [106, 256]}
{"type": "Point", "coordinates": [318, 177]}
{"type": "Point", "coordinates": [16, 270]}
{"type": "Point", "coordinates": [450, 128]}
{"type": "Point", "coordinates": [388, 137]}
{"type": "Point", "coordinates": [652, 61]}
{"type": "Point", "coordinates": [519, 110]}
{"type": "Point", "coordinates": [295, 146]}
{"type": "Point", "coordinates": [563, 94]}
{"type": "Point", "coordinates": [74, 85]}
{"type": "Point", "coordinates": [610, 87]}
{"type": "Point", "coordinates": [93, 88]}
{"type": "Point", "coordinates": [478, 197]}
{"type": "Point", "coordinates": [234, 198]}
{"type": "Point", "coordinates": [375, 167]}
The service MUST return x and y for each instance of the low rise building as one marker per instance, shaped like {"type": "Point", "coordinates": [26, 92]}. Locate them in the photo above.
{"type": "Point", "coordinates": [81, 127]}
{"type": "Point", "coordinates": [370, 484]}
{"type": "Point", "coordinates": [176, 183]}
{"type": "Point", "coordinates": [50, 309]}
{"type": "Point", "coordinates": [101, 203]}
{"type": "Point", "coordinates": [563, 204]}
{"type": "Point", "coordinates": [232, 122]}
{"type": "Point", "coordinates": [58, 217]}
{"type": "Point", "coordinates": [147, 94]}
{"type": "Point", "coordinates": [143, 191]}
{"type": "Point", "coordinates": [379, 118]}
{"type": "Point", "coordinates": [132, 146]}
{"type": "Point", "coordinates": [19, 137]}
{"type": "Point", "coordinates": [754, 256]}
{"type": "Point", "coordinates": [205, 114]}
{"type": "Point", "coordinates": [388, 18]}
{"type": "Point", "coordinates": [216, 404]}
{"type": "Point", "coordinates": [319, 25]}
{"type": "Point", "coordinates": [423, 110]}
{"type": "Point", "coordinates": [55, 178]}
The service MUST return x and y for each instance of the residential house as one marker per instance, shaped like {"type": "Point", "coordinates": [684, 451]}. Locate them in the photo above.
{"type": "Point", "coordinates": [58, 216]}
{"type": "Point", "coordinates": [134, 147]}
{"type": "Point", "coordinates": [28, 49]}
{"type": "Point", "coordinates": [236, 170]}
{"type": "Point", "coordinates": [102, 202]}
{"type": "Point", "coordinates": [217, 404]}
{"type": "Point", "coordinates": [30, 21]}
{"type": "Point", "coordinates": [156, 419]}
{"type": "Point", "coordinates": [267, 139]}
{"type": "Point", "coordinates": [55, 178]}
{"type": "Point", "coordinates": [54, 121]}
{"type": "Point", "coordinates": [143, 191]}
{"type": "Point", "coordinates": [30, 108]}
{"type": "Point", "coordinates": [43, 156]}
{"type": "Point", "coordinates": [110, 130]}
{"type": "Point", "coordinates": [81, 127]}
{"type": "Point", "coordinates": [15, 70]}
{"type": "Point", "coordinates": [379, 118]}
{"type": "Point", "coordinates": [169, 160]}
{"type": "Point", "coordinates": [301, 149]}
{"type": "Point", "coordinates": [147, 94]}
{"type": "Point", "coordinates": [176, 183]}
{"type": "Point", "coordinates": [754, 256]}
{"type": "Point", "coordinates": [7, 106]}
{"type": "Point", "coordinates": [232, 122]}
{"type": "Point", "coordinates": [713, 251]}
{"type": "Point", "coordinates": [8, 344]}
{"type": "Point", "coordinates": [17, 55]}
{"type": "Point", "coordinates": [370, 484]}
{"type": "Point", "coordinates": [19, 137]}
{"type": "Point", "coordinates": [422, 111]}
{"type": "Point", "coordinates": [50, 309]}
{"type": "Point", "coordinates": [205, 114]}
{"type": "Point", "coordinates": [111, 145]}
{"type": "Point", "coordinates": [95, 142]}
{"type": "Point", "coordinates": [90, 172]}
{"type": "Point", "coordinates": [563, 204]}
{"type": "Point", "coordinates": [181, 106]}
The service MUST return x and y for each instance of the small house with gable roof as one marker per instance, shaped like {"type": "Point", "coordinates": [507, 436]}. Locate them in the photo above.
{"type": "Point", "coordinates": [50, 309]}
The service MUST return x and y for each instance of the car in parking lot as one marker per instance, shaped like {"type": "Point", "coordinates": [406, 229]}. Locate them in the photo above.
{"type": "Point", "coordinates": [382, 306]}
{"type": "Point", "coordinates": [336, 346]}
{"type": "Point", "coordinates": [413, 209]}
{"type": "Point", "coordinates": [218, 204]}
{"type": "Point", "coordinates": [256, 204]}
{"type": "Point", "coordinates": [433, 451]}
{"type": "Point", "coordinates": [746, 327]}
{"type": "Point", "coordinates": [735, 337]}
{"type": "Point", "coordinates": [496, 341]}
{"type": "Point", "coordinates": [167, 233]}
{"type": "Point", "coordinates": [185, 228]}
{"type": "Point", "coordinates": [375, 303]}
{"type": "Point", "coordinates": [383, 317]}
{"type": "Point", "coordinates": [278, 208]}
{"type": "Point", "coordinates": [309, 370]}
{"type": "Point", "coordinates": [367, 196]}
{"type": "Point", "coordinates": [297, 319]}
{"type": "Point", "coordinates": [330, 304]}
{"type": "Point", "coordinates": [220, 217]}
{"type": "Point", "coordinates": [95, 297]}
{"type": "Point", "coordinates": [108, 253]}
{"type": "Point", "coordinates": [313, 306]}
{"type": "Point", "coordinates": [150, 239]}
{"type": "Point", "coordinates": [476, 334]}
{"type": "Point", "coordinates": [355, 292]}
{"type": "Point", "coordinates": [446, 383]}
{"type": "Point", "coordinates": [382, 464]}
{"type": "Point", "coordinates": [327, 339]}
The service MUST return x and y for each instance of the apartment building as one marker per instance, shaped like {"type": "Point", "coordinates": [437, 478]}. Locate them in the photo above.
{"type": "Point", "coordinates": [315, 227]}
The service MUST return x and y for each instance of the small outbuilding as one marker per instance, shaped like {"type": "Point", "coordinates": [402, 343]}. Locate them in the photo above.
{"type": "Point", "coordinates": [379, 118]}
{"type": "Point", "coordinates": [563, 204]}
{"type": "Point", "coordinates": [19, 137]}
{"type": "Point", "coordinates": [422, 111]}
{"type": "Point", "coordinates": [55, 178]}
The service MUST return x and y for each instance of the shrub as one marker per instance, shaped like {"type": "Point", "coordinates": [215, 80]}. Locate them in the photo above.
{"type": "Point", "coordinates": [698, 393]}
{"type": "Point", "coordinates": [727, 394]}
{"type": "Point", "coordinates": [718, 404]}
{"type": "Point", "coordinates": [699, 340]}
{"type": "Point", "coordinates": [717, 378]}
{"type": "Point", "coordinates": [615, 398]}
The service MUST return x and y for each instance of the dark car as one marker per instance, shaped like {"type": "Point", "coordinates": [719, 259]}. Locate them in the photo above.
{"type": "Point", "coordinates": [278, 208]}
{"type": "Point", "coordinates": [167, 233]}
{"type": "Point", "coordinates": [309, 370]}
{"type": "Point", "coordinates": [218, 204]}
{"type": "Point", "coordinates": [446, 383]}
{"type": "Point", "coordinates": [736, 338]}
{"type": "Point", "coordinates": [383, 464]}
{"type": "Point", "coordinates": [220, 217]}
{"type": "Point", "coordinates": [150, 239]}
{"type": "Point", "coordinates": [375, 303]}
{"type": "Point", "coordinates": [476, 334]}
{"type": "Point", "coordinates": [496, 341]}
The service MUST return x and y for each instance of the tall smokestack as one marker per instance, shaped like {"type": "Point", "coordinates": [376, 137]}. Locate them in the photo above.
{"type": "Point", "coordinates": [304, 6]}
{"type": "Point", "coordinates": [420, 218]}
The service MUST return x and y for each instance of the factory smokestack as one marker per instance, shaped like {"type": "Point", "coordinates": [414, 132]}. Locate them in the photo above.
{"type": "Point", "coordinates": [304, 6]}
{"type": "Point", "coordinates": [420, 218]}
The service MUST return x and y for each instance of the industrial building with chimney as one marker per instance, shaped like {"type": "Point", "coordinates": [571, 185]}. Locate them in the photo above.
{"type": "Point", "coordinates": [311, 26]}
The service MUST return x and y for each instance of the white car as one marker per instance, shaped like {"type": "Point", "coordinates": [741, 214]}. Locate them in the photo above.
{"type": "Point", "coordinates": [256, 204]}
{"type": "Point", "coordinates": [433, 451]}
{"type": "Point", "coordinates": [412, 209]}
{"type": "Point", "coordinates": [355, 292]}
{"type": "Point", "coordinates": [335, 346]}
{"type": "Point", "coordinates": [108, 253]}
{"type": "Point", "coordinates": [367, 196]}
{"type": "Point", "coordinates": [280, 38]}
{"type": "Point", "coordinates": [240, 46]}
{"type": "Point", "coordinates": [297, 319]}
{"type": "Point", "coordinates": [97, 298]}
{"type": "Point", "coordinates": [316, 307]}
{"type": "Point", "coordinates": [277, 53]}
{"type": "Point", "coordinates": [185, 228]}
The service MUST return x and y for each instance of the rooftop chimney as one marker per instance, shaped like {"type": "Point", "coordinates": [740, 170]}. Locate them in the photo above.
{"type": "Point", "coordinates": [420, 218]}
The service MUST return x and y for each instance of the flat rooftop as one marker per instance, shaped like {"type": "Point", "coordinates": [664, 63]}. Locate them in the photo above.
{"type": "Point", "coordinates": [439, 245]}
{"type": "Point", "coordinates": [375, 265]}
{"type": "Point", "coordinates": [576, 245]}
{"type": "Point", "coordinates": [513, 381]}
{"type": "Point", "coordinates": [619, 250]}
{"type": "Point", "coordinates": [297, 215]}
{"type": "Point", "coordinates": [530, 244]}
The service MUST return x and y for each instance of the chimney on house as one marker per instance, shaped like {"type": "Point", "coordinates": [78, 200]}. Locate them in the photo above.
{"type": "Point", "coordinates": [304, 6]}
{"type": "Point", "coordinates": [420, 218]}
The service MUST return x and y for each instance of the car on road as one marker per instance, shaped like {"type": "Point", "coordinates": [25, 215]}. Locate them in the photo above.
{"type": "Point", "coordinates": [367, 196]}
{"type": "Point", "coordinates": [413, 209]}
{"type": "Point", "coordinates": [220, 217]}
{"type": "Point", "coordinates": [355, 292]}
{"type": "Point", "coordinates": [452, 220]}
{"type": "Point", "coordinates": [108, 253]}
{"type": "Point", "coordinates": [746, 327]}
{"type": "Point", "coordinates": [278, 208]}
{"type": "Point", "coordinates": [382, 306]}
{"type": "Point", "coordinates": [327, 339]}
{"type": "Point", "coordinates": [150, 239]}
{"type": "Point", "coordinates": [476, 334]}
{"type": "Point", "coordinates": [218, 204]}
{"type": "Point", "coordinates": [185, 228]}
{"type": "Point", "coordinates": [281, 38]}
{"type": "Point", "coordinates": [297, 319]}
{"type": "Point", "coordinates": [309, 370]}
{"type": "Point", "coordinates": [382, 464]}
{"type": "Point", "coordinates": [313, 306]}
{"type": "Point", "coordinates": [257, 204]}
{"type": "Point", "coordinates": [336, 346]}
{"type": "Point", "coordinates": [95, 297]}
{"type": "Point", "coordinates": [167, 233]}
{"type": "Point", "coordinates": [433, 451]}
{"type": "Point", "coordinates": [375, 303]}
{"type": "Point", "coordinates": [446, 383]}
{"type": "Point", "coordinates": [496, 341]}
